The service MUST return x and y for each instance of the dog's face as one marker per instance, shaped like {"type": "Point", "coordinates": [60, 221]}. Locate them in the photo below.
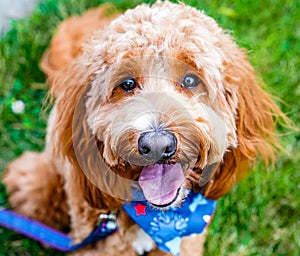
{"type": "Point", "coordinates": [163, 115]}
{"type": "Point", "coordinates": [164, 96]}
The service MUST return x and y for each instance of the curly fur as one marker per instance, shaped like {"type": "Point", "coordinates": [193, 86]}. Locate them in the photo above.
{"type": "Point", "coordinates": [94, 125]}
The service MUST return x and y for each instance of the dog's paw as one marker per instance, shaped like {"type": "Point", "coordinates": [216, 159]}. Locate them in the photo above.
{"type": "Point", "coordinates": [142, 243]}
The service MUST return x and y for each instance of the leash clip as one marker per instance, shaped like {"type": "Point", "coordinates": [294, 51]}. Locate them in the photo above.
{"type": "Point", "coordinates": [108, 221]}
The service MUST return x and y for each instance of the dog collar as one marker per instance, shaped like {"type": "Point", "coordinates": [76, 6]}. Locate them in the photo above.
{"type": "Point", "coordinates": [167, 228]}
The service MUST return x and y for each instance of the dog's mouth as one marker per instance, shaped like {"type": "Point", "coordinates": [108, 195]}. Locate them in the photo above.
{"type": "Point", "coordinates": [161, 183]}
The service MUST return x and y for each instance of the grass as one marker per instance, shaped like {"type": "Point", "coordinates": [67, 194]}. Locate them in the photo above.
{"type": "Point", "coordinates": [260, 216]}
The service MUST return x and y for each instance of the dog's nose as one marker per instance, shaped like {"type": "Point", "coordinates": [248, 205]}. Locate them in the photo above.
{"type": "Point", "coordinates": [157, 145]}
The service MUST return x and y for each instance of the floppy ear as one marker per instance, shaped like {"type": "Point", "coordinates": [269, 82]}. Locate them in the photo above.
{"type": "Point", "coordinates": [73, 82]}
{"type": "Point", "coordinates": [256, 119]}
{"type": "Point", "coordinates": [70, 129]}
{"type": "Point", "coordinates": [77, 144]}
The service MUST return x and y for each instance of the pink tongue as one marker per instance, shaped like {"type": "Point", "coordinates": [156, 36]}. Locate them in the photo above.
{"type": "Point", "coordinates": [160, 182]}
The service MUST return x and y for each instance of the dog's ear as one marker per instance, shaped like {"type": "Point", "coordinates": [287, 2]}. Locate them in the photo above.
{"type": "Point", "coordinates": [75, 141]}
{"type": "Point", "coordinates": [73, 82]}
{"type": "Point", "coordinates": [70, 126]}
{"type": "Point", "coordinates": [256, 119]}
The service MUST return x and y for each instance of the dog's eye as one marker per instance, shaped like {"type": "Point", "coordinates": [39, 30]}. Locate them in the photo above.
{"type": "Point", "coordinates": [190, 81]}
{"type": "Point", "coordinates": [128, 85]}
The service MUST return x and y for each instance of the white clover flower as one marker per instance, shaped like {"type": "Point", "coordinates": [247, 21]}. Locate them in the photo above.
{"type": "Point", "coordinates": [18, 107]}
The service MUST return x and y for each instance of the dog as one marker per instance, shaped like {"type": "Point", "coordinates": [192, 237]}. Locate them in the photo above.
{"type": "Point", "coordinates": [159, 98]}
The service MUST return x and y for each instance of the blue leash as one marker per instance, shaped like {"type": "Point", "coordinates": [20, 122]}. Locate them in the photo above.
{"type": "Point", "coordinates": [51, 237]}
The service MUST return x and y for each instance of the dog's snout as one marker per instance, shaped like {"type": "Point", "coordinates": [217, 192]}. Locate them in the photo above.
{"type": "Point", "coordinates": [157, 145]}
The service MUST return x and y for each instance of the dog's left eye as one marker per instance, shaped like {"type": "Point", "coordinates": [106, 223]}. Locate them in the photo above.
{"type": "Point", "coordinates": [128, 85]}
{"type": "Point", "coordinates": [190, 81]}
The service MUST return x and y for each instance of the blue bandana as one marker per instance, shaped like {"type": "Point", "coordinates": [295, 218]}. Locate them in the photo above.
{"type": "Point", "coordinates": [167, 228]}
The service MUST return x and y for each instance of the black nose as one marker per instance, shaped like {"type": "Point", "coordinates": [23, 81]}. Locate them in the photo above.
{"type": "Point", "coordinates": [157, 145]}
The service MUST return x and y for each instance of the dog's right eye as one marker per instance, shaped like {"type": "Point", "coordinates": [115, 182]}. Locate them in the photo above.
{"type": "Point", "coordinates": [128, 85]}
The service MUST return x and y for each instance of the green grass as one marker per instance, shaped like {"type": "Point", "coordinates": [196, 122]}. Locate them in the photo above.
{"type": "Point", "coordinates": [260, 216]}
